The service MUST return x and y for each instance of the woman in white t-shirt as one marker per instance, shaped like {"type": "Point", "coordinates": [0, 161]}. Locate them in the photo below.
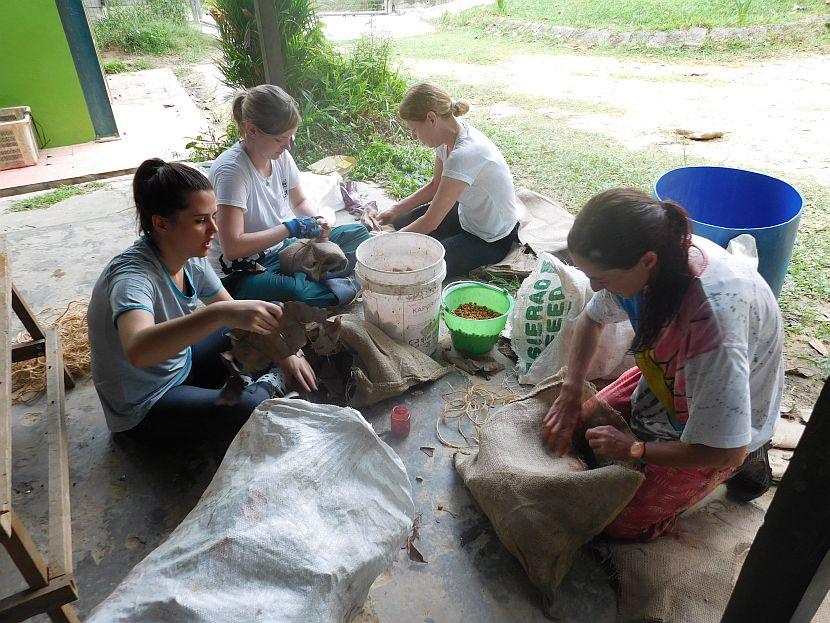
{"type": "Point", "coordinates": [708, 344]}
{"type": "Point", "coordinates": [470, 204]}
{"type": "Point", "coordinates": [263, 209]}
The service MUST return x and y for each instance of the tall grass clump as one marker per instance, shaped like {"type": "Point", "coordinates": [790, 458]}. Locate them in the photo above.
{"type": "Point", "coordinates": [147, 27]}
{"type": "Point", "coordinates": [348, 100]}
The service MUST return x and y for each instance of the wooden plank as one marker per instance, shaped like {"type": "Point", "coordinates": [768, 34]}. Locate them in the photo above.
{"type": "Point", "coordinates": [5, 526]}
{"type": "Point", "coordinates": [60, 526]}
{"type": "Point", "coordinates": [793, 541]}
{"type": "Point", "coordinates": [25, 555]}
{"type": "Point", "coordinates": [64, 614]}
{"type": "Point", "coordinates": [27, 316]}
{"type": "Point", "coordinates": [5, 378]}
{"type": "Point", "coordinates": [33, 601]}
{"type": "Point", "coordinates": [35, 347]}
{"type": "Point", "coordinates": [28, 350]}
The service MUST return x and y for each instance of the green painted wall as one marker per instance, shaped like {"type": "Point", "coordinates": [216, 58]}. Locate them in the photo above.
{"type": "Point", "coordinates": [37, 71]}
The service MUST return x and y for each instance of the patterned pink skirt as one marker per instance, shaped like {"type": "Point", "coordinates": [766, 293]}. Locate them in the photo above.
{"type": "Point", "coordinates": [667, 491]}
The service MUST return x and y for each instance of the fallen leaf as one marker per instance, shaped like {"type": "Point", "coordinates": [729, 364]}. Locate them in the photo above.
{"type": "Point", "coordinates": [414, 554]}
{"type": "Point", "coordinates": [411, 550]}
{"type": "Point", "coordinates": [819, 346]}
{"type": "Point", "coordinates": [480, 366]}
{"type": "Point", "coordinates": [505, 349]}
{"type": "Point", "coordinates": [801, 373]}
{"type": "Point", "coordinates": [698, 136]}
{"type": "Point", "coordinates": [427, 450]}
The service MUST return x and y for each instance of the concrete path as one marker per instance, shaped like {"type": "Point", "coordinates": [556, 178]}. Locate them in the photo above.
{"type": "Point", "coordinates": [155, 117]}
{"type": "Point", "coordinates": [404, 23]}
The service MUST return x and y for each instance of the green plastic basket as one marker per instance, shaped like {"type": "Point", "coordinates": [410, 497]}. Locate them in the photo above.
{"type": "Point", "coordinates": [475, 337]}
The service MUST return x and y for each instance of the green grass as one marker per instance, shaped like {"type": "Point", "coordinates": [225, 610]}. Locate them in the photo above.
{"type": "Point", "coordinates": [512, 285]}
{"type": "Point", "coordinates": [52, 197]}
{"type": "Point", "coordinates": [474, 37]}
{"type": "Point", "coordinates": [401, 168]}
{"type": "Point", "coordinates": [658, 14]}
{"type": "Point", "coordinates": [119, 66]}
{"type": "Point", "coordinates": [153, 27]}
{"type": "Point", "coordinates": [347, 101]}
{"type": "Point", "coordinates": [808, 277]}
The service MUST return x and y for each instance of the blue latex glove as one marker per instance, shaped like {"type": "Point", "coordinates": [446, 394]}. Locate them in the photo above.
{"type": "Point", "coordinates": [304, 227]}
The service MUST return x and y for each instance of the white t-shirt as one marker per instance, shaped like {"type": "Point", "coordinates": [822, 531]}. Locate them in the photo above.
{"type": "Point", "coordinates": [715, 375]}
{"type": "Point", "coordinates": [487, 207]}
{"type": "Point", "coordinates": [264, 201]}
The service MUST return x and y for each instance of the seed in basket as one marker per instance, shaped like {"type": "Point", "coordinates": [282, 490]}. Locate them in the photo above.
{"type": "Point", "coordinates": [472, 311]}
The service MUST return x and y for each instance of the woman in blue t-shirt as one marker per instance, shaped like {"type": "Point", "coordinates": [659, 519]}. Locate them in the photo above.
{"type": "Point", "coordinates": [155, 354]}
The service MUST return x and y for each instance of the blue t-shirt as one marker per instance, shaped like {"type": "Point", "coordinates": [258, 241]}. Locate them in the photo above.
{"type": "Point", "coordinates": [137, 279]}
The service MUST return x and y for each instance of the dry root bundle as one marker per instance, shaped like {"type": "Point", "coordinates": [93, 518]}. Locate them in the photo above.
{"type": "Point", "coordinates": [466, 410]}
{"type": "Point", "coordinates": [29, 377]}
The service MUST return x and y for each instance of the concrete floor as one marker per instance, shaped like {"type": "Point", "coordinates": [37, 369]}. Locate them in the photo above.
{"type": "Point", "coordinates": [126, 499]}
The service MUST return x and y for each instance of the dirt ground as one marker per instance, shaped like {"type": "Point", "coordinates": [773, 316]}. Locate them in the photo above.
{"type": "Point", "coordinates": [773, 113]}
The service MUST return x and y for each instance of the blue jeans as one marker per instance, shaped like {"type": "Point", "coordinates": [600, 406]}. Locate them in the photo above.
{"type": "Point", "coordinates": [463, 251]}
{"type": "Point", "coordinates": [272, 285]}
{"type": "Point", "coordinates": [190, 410]}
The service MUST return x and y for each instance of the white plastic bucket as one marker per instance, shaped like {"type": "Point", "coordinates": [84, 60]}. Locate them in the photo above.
{"type": "Point", "coordinates": [401, 274]}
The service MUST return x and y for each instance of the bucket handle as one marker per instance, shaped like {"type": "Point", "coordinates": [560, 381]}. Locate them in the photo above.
{"type": "Point", "coordinates": [474, 283]}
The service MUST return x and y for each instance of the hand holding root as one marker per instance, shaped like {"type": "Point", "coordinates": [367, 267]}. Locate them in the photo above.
{"type": "Point", "coordinates": [609, 441]}
{"type": "Point", "coordinates": [298, 368]}
{"type": "Point", "coordinates": [561, 420]}
{"type": "Point", "coordinates": [387, 216]}
{"type": "Point", "coordinates": [325, 226]}
{"type": "Point", "coordinates": [257, 316]}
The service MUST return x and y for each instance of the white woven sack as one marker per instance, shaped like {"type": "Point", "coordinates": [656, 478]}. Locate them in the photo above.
{"type": "Point", "coordinates": [307, 508]}
{"type": "Point", "coordinates": [544, 318]}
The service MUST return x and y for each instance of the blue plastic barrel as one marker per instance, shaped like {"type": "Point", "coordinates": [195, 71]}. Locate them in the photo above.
{"type": "Point", "coordinates": [723, 203]}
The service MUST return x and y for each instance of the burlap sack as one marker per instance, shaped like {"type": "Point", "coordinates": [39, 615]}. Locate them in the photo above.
{"type": "Point", "coordinates": [382, 367]}
{"type": "Point", "coordinates": [315, 258]}
{"type": "Point", "coordinates": [688, 577]}
{"type": "Point", "coordinates": [542, 507]}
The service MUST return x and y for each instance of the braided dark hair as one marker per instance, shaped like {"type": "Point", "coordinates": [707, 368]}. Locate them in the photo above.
{"type": "Point", "coordinates": [163, 188]}
{"type": "Point", "coordinates": [617, 227]}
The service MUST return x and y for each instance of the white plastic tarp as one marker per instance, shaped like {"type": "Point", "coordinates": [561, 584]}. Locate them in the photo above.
{"type": "Point", "coordinates": [308, 507]}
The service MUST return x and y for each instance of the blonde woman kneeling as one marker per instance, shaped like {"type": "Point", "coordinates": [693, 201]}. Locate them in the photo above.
{"type": "Point", "coordinates": [470, 204]}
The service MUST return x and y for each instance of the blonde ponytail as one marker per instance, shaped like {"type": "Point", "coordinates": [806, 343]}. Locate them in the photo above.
{"type": "Point", "coordinates": [268, 107]}
{"type": "Point", "coordinates": [426, 97]}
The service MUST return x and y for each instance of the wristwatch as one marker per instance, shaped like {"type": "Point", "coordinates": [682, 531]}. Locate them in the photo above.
{"type": "Point", "coordinates": [637, 450]}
